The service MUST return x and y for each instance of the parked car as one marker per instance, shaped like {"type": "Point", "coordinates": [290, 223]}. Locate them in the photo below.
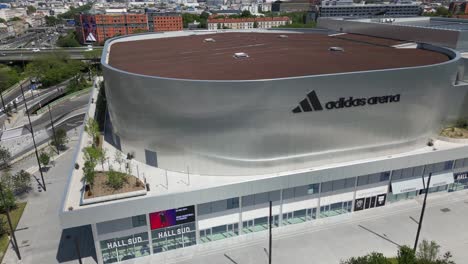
{"type": "Point", "coordinates": [36, 50]}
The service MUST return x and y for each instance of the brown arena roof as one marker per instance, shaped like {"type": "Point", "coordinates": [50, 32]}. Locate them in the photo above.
{"type": "Point", "coordinates": [270, 56]}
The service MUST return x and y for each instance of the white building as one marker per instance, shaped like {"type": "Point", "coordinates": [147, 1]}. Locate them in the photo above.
{"type": "Point", "coordinates": [247, 23]}
{"type": "Point", "coordinates": [9, 13]}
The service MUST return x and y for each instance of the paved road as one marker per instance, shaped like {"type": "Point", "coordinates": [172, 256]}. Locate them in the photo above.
{"type": "Point", "coordinates": [29, 54]}
{"type": "Point", "coordinates": [61, 110]}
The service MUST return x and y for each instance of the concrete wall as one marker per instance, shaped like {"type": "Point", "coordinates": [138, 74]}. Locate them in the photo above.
{"type": "Point", "coordinates": [247, 127]}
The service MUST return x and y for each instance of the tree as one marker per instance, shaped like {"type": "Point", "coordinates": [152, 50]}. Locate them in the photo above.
{"type": "Point", "coordinates": [13, 19]}
{"type": "Point", "coordinates": [53, 68]}
{"type": "Point", "coordinates": [68, 40]}
{"type": "Point", "coordinates": [255, 25]}
{"type": "Point", "coordinates": [118, 157]}
{"type": "Point", "coordinates": [52, 21]}
{"type": "Point", "coordinates": [2, 20]}
{"type": "Point", "coordinates": [372, 258]}
{"type": "Point", "coordinates": [92, 154]}
{"type": "Point", "coordinates": [7, 179]}
{"type": "Point", "coordinates": [92, 57]}
{"type": "Point", "coordinates": [70, 14]}
{"type": "Point", "coordinates": [22, 181]}
{"type": "Point", "coordinates": [8, 77]}
{"type": "Point", "coordinates": [428, 251]}
{"type": "Point", "coordinates": [406, 255]}
{"type": "Point", "coordinates": [60, 139]}
{"type": "Point", "coordinates": [3, 229]}
{"type": "Point", "coordinates": [44, 159]}
{"type": "Point", "coordinates": [89, 173]}
{"type": "Point", "coordinates": [5, 156]}
{"type": "Point", "coordinates": [246, 13]}
{"type": "Point", "coordinates": [92, 128]}
{"type": "Point", "coordinates": [10, 200]}
{"type": "Point", "coordinates": [30, 10]}
{"type": "Point", "coordinates": [103, 157]}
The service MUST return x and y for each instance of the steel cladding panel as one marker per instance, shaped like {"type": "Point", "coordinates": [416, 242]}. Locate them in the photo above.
{"type": "Point", "coordinates": [248, 127]}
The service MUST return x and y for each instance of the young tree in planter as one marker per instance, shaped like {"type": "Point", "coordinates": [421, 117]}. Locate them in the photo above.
{"type": "Point", "coordinates": [22, 181]}
{"type": "Point", "coordinates": [44, 159]}
{"type": "Point", "coordinates": [92, 154]}
{"type": "Point", "coordinates": [89, 173]}
{"type": "Point", "coordinates": [5, 156]}
{"type": "Point", "coordinates": [118, 157]}
{"type": "Point", "coordinates": [92, 128]}
{"type": "Point", "coordinates": [103, 157]}
{"type": "Point", "coordinates": [62, 139]}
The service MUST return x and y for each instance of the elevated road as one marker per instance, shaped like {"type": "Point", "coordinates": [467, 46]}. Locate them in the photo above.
{"type": "Point", "coordinates": [8, 55]}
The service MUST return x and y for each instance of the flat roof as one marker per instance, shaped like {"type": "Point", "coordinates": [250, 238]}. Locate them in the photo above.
{"type": "Point", "coordinates": [270, 56]}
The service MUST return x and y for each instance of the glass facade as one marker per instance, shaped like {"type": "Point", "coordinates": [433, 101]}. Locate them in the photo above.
{"type": "Point", "coordinates": [258, 224]}
{"type": "Point", "coordinates": [335, 209]}
{"type": "Point", "coordinates": [124, 248]}
{"type": "Point", "coordinates": [219, 232]}
{"type": "Point", "coordinates": [299, 216]}
{"type": "Point", "coordinates": [173, 237]}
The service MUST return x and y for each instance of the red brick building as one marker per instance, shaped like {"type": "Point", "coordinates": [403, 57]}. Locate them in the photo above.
{"type": "Point", "coordinates": [100, 27]}
{"type": "Point", "coordinates": [165, 21]}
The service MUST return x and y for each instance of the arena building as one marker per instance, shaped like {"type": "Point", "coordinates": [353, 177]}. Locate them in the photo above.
{"type": "Point", "coordinates": [221, 123]}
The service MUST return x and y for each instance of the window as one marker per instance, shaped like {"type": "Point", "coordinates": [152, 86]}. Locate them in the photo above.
{"type": "Point", "coordinates": [313, 188]}
{"type": "Point", "coordinates": [461, 163]}
{"type": "Point", "coordinates": [438, 167]}
{"type": "Point", "coordinates": [373, 178]}
{"type": "Point", "coordinates": [260, 198]}
{"type": "Point", "coordinates": [337, 185]}
{"type": "Point", "coordinates": [218, 206]}
{"type": "Point", "coordinates": [327, 186]}
{"type": "Point", "coordinates": [139, 220]}
{"type": "Point", "coordinates": [233, 203]}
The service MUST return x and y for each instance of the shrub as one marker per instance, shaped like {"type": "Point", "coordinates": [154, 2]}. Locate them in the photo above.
{"type": "Point", "coordinates": [22, 181]}
{"type": "Point", "coordinates": [116, 179]}
{"type": "Point", "coordinates": [406, 255]}
{"type": "Point", "coordinates": [461, 123]}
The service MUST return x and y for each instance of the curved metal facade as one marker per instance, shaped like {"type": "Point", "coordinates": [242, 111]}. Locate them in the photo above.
{"type": "Point", "coordinates": [248, 127]}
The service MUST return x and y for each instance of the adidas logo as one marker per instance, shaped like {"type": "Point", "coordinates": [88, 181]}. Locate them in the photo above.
{"type": "Point", "coordinates": [309, 104]}
{"type": "Point", "coordinates": [312, 103]}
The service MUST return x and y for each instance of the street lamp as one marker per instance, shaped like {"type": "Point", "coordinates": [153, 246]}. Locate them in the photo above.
{"type": "Point", "coordinates": [53, 129]}
{"type": "Point", "coordinates": [422, 212]}
{"type": "Point", "coordinates": [34, 140]}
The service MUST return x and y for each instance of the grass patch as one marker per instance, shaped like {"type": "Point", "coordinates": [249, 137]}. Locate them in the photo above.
{"type": "Point", "coordinates": [393, 260]}
{"type": "Point", "coordinates": [15, 217]}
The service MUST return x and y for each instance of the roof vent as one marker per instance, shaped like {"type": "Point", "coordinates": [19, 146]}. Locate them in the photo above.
{"type": "Point", "coordinates": [335, 49]}
{"type": "Point", "coordinates": [209, 40]}
{"type": "Point", "coordinates": [283, 36]}
{"type": "Point", "coordinates": [239, 55]}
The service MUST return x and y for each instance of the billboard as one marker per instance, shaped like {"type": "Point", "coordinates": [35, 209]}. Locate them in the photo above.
{"type": "Point", "coordinates": [172, 217]}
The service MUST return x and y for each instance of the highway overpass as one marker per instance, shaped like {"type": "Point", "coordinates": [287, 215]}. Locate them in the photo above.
{"type": "Point", "coordinates": [10, 55]}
